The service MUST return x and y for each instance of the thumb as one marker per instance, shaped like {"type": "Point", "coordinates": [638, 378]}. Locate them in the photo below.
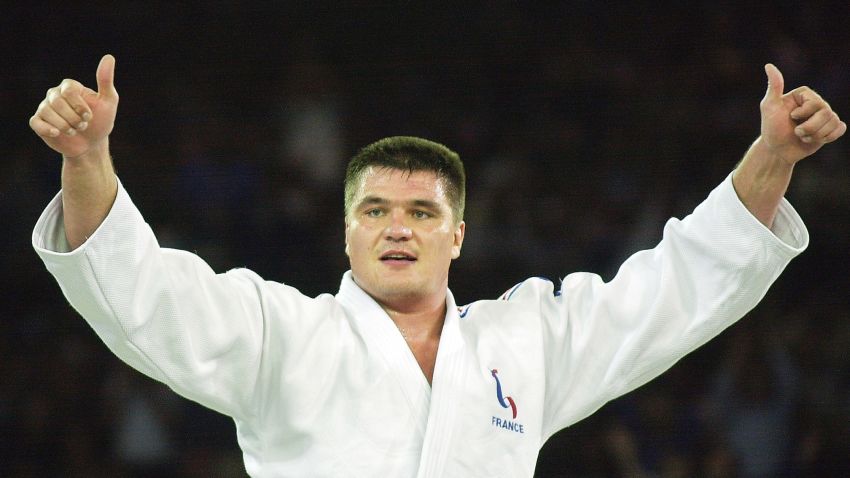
{"type": "Point", "coordinates": [105, 77]}
{"type": "Point", "coordinates": [775, 82]}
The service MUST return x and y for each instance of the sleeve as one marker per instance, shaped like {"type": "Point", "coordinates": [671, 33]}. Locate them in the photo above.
{"type": "Point", "coordinates": [602, 340]}
{"type": "Point", "coordinates": [162, 311]}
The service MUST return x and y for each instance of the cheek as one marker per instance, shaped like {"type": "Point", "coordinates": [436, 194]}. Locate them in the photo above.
{"type": "Point", "coordinates": [445, 246]}
{"type": "Point", "coordinates": [358, 241]}
{"type": "Point", "coordinates": [353, 246]}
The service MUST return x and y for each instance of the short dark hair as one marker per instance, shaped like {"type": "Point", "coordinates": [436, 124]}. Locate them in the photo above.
{"type": "Point", "coordinates": [408, 153]}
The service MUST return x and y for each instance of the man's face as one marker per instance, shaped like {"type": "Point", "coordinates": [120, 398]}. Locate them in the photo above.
{"type": "Point", "coordinates": [401, 236]}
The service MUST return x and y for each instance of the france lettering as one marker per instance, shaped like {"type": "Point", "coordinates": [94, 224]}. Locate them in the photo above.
{"type": "Point", "coordinates": [507, 425]}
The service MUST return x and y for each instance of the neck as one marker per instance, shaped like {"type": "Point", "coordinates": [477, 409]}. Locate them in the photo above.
{"type": "Point", "coordinates": [421, 328]}
{"type": "Point", "coordinates": [420, 323]}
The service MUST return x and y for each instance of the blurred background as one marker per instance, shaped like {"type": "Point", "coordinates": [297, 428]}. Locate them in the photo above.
{"type": "Point", "coordinates": [583, 128]}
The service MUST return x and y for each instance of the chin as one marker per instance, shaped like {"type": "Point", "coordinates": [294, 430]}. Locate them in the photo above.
{"type": "Point", "coordinates": [385, 288]}
{"type": "Point", "coordinates": [399, 291]}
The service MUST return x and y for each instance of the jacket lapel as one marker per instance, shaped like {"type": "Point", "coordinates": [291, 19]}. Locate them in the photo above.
{"type": "Point", "coordinates": [448, 381]}
{"type": "Point", "coordinates": [383, 338]}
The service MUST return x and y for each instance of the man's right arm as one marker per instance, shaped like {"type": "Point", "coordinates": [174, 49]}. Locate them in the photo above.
{"type": "Point", "coordinates": [164, 312]}
{"type": "Point", "coordinates": [76, 121]}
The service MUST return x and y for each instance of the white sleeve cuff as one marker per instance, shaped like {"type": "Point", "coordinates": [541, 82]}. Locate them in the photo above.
{"type": "Point", "coordinates": [48, 235]}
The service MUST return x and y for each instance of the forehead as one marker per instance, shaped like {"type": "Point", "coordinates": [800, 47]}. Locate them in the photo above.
{"type": "Point", "coordinates": [397, 184]}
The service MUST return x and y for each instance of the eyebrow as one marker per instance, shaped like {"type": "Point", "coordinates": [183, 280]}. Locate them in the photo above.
{"type": "Point", "coordinates": [379, 201]}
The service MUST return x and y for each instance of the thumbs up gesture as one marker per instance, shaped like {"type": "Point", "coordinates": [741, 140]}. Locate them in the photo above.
{"type": "Point", "coordinates": [73, 119]}
{"type": "Point", "coordinates": [796, 124]}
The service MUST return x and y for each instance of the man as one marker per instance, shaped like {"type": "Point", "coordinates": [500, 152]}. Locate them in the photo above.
{"type": "Point", "coordinates": [390, 377]}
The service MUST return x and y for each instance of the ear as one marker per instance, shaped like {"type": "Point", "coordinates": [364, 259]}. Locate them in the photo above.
{"type": "Point", "coordinates": [346, 238]}
{"type": "Point", "coordinates": [458, 239]}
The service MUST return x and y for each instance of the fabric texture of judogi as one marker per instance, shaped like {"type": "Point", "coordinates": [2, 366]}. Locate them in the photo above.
{"type": "Point", "coordinates": [327, 386]}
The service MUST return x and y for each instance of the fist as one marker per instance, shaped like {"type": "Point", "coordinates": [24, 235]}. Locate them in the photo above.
{"type": "Point", "coordinates": [796, 124]}
{"type": "Point", "coordinates": [73, 119]}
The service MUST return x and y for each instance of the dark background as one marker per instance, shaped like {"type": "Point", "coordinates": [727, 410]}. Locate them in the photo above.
{"type": "Point", "coordinates": [583, 127]}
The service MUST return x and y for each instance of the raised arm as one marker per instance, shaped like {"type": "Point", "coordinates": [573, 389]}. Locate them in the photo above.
{"type": "Point", "coordinates": [794, 125]}
{"type": "Point", "coordinates": [76, 121]}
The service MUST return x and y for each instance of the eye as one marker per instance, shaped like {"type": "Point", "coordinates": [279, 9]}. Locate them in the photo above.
{"type": "Point", "coordinates": [374, 213]}
{"type": "Point", "coordinates": [421, 215]}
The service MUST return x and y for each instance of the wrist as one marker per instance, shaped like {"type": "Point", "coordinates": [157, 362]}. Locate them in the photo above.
{"type": "Point", "coordinates": [760, 181]}
{"type": "Point", "coordinates": [788, 153]}
{"type": "Point", "coordinates": [96, 154]}
{"type": "Point", "coordinates": [766, 161]}
{"type": "Point", "coordinates": [90, 168]}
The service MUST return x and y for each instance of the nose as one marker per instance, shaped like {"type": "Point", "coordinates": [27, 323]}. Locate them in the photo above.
{"type": "Point", "coordinates": [397, 228]}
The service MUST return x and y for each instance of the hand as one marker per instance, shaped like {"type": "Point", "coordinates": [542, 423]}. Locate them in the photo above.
{"type": "Point", "coordinates": [73, 119]}
{"type": "Point", "coordinates": [796, 124]}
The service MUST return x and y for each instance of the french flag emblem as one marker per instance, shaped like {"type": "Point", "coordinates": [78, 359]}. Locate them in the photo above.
{"type": "Point", "coordinates": [505, 402]}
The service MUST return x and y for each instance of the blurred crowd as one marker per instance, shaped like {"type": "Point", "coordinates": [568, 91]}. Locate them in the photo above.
{"type": "Point", "coordinates": [582, 127]}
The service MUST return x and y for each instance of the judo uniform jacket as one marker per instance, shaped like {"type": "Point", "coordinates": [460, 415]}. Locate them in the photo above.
{"type": "Point", "coordinates": [327, 386]}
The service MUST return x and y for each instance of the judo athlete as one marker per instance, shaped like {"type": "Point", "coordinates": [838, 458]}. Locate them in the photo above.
{"type": "Point", "coordinates": [390, 377]}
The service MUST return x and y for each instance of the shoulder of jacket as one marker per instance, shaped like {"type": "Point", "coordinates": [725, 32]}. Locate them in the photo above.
{"type": "Point", "coordinates": [531, 288]}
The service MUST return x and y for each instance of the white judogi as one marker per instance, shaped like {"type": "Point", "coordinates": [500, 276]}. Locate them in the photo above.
{"type": "Point", "coordinates": [327, 386]}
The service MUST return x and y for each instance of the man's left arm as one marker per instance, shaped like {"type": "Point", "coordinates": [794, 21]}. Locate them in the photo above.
{"type": "Point", "coordinates": [794, 125]}
{"type": "Point", "coordinates": [604, 339]}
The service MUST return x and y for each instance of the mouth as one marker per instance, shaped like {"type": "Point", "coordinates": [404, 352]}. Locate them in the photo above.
{"type": "Point", "coordinates": [397, 257]}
